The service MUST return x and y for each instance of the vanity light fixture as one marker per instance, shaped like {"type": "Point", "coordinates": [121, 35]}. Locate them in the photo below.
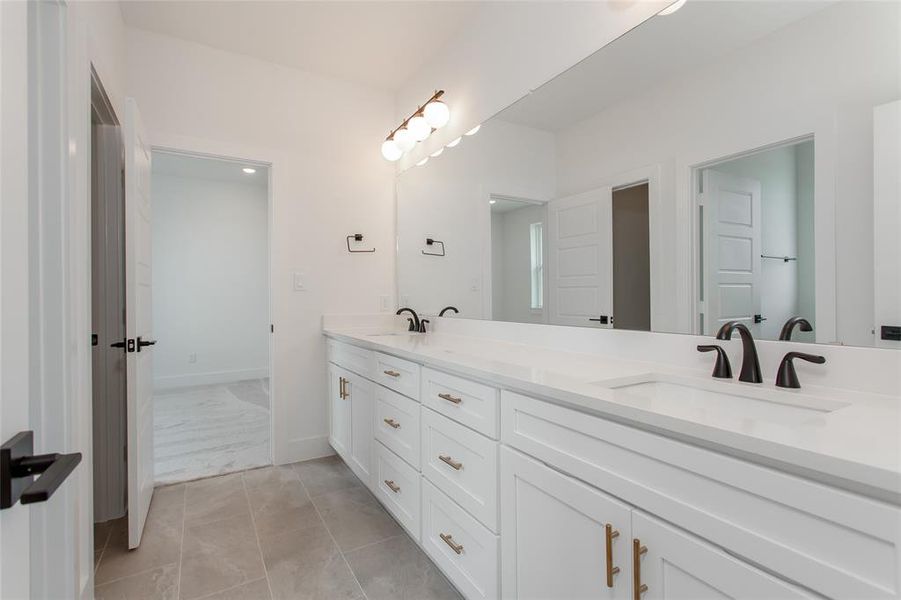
{"type": "Point", "coordinates": [474, 130]}
{"type": "Point", "coordinates": [432, 115]}
{"type": "Point", "coordinates": [249, 170]}
{"type": "Point", "coordinates": [672, 7]}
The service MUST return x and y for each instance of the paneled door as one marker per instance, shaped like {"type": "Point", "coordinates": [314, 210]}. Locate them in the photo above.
{"type": "Point", "coordinates": [731, 253]}
{"type": "Point", "coordinates": [138, 322]}
{"type": "Point", "coordinates": [339, 411]}
{"type": "Point", "coordinates": [360, 395]}
{"type": "Point", "coordinates": [561, 538]}
{"type": "Point", "coordinates": [672, 564]}
{"type": "Point", "coordinates": [580, 259]}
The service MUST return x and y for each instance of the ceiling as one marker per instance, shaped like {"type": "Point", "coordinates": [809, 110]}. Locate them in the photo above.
{"type": "Point", "coordinates": [215, 169]}
{"type": "Point", "coordinates": [659, 49]}
{"type": "Point", "coordinates": [374, 43]}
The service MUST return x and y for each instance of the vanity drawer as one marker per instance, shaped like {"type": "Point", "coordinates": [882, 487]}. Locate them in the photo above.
{"type": "Point", "coordinates": [397, 424]}
{"type": "Point", "coordinates": [461, 546]}
{"type": "Point", "coordinates": [397, 485]}
{"type": "Point", "coordinates": [463, 464]}
{"type": "Point", "coordinates": [473, 404]}
{"type": "Point", "coordinates": [835, 542]}
{"type": "Point", "coordinates": [396, 373]}
{"type": "Point", "coordinates": [352, 358]}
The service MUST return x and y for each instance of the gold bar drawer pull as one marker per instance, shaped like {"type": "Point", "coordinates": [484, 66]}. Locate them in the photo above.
{"type": "Point", "coordinates": [391, 373]}
{"type": "Point", "coordinates": [610, 534]}
{"type": "Point", "coordinates": [638, 588]}
{"type": "Point", "coordinates": [391, 423]}
{"type": "Point", "coordinates": [450, 398]}
{"type": "Point", "coordinates": [449, 540]}
{"type": "Point", "coordinates": [450, 461]}
{"type": "Point", "coordinates": [392, 486]}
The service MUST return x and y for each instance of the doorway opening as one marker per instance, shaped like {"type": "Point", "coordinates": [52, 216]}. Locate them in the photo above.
{"type": "Point", "coordinates": [631, 257]}
{"type": "Point", "coordinates": [756, 239]}
{"type": "Point", "coordinates": [211, 314]}
{"type": "Point", "coordinates": [108, 357]}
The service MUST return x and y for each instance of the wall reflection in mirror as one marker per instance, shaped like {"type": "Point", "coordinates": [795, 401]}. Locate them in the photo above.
{"type": "Point", "coordinates": [731, 161]}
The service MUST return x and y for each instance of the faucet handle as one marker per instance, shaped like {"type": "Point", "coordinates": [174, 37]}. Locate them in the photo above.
{"type": "Point", "coordinates": [722, 369]}
{"type": "Point", "coordinates": [422, 323]}
{"type": "Point", "coordinates": [786, 377]}
{"type": "Point", "coordinates": [411, 326]}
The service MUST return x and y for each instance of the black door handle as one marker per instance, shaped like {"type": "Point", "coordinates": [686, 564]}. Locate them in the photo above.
{"type": "Point", "coordinates": [127, 344]}
{"type": "Point", "coordinates": [143, 343]}
{"type": "Point", "coordinates": [18, 466]}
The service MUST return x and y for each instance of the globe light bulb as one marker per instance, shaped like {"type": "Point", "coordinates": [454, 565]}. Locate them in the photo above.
{"type": "Point", "coordinates": [474, 130]}
{"type": "Point", "coordinates": [419, 127]}
{"type": "Point", "coordinates": [404, 140]}
{"type": "Point", "coordinates": [390, 150]}
{"type": "Point", "coordinates": [436, 113]}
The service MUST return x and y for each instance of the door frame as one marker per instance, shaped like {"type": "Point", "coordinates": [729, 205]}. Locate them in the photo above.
{"type": "Point", "coordinates": [181, 147]}
{"type": "Point", "coordinates": [820, 125]}
{"type": "Point", "coordinates": [823, 240]}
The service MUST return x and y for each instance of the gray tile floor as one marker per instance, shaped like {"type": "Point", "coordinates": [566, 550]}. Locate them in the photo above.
{"type": "Point", "coordinates": [307, 531]}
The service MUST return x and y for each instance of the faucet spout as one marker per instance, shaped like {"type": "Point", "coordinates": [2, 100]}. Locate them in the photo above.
{"type": "Point", "coordinates": [750, 365]}
{"type": "Point", "coordinates": [415, 324]}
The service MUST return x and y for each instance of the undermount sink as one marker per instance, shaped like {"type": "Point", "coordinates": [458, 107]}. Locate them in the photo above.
{"type": "Point", "coordinates": [666, 392]}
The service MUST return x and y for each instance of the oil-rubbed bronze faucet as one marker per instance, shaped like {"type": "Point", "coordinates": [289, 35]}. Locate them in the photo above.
{"type": "Point", "coordinates": [787, 377]}
{"type": "Point", "coordinates": [447, 308]}
{"type": "Point", "coordinates": [786, 333]}
{"type": "Point", "coordinates": [414, 324]}
{"type": "Point", "coordinates": [750, 366]}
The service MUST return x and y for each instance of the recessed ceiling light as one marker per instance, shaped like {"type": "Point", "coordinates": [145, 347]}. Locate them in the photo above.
{"type": "Point", "coordinates": [672, 7]}
{"type": "Point", "coordinates": [249, 170]}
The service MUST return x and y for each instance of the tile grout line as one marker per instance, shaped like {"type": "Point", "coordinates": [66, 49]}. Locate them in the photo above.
{"type": "Point", "coordinates": [135, 574]}
{"type": "Point", "coordinates": [181, 544]}
{"type": "Point", "coordinates": [329, 531]}
{"type": "Point", "coordinates": [256, 534]}
{"type": "Point", "coordinates": [392, 537]}
{"type": "Point", "coordinates": [234, 587]}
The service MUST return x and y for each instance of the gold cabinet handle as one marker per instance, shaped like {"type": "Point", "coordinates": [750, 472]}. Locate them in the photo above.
{"type": "Point", "coordinates": [391, 373]}
{"type": "Point", "coordinates": [342, 388]}
{"type": "Point", "coordinates": [450, 461]}
{"type": "Point", "coordinates": [392, 486]}
{"type": "Point", "coordinates": [450, 398]}
{"type": "Point", "coordinates": [391, 423]}
{"type": "Point", "coordinates": [449, 540]}
{"type": "Point", "coordinates": [638, 588]}
{"type": "Point", "coordinates": [610, 534]}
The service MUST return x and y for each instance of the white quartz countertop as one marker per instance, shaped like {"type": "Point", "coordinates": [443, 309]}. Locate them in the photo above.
{"type": "Point", "coordinates": [839, 437]}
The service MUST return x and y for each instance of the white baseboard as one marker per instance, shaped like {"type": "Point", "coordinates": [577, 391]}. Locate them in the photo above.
{"type": "Point", "coordinates": [300, 449]}
{"type": "Point", "coordinates": [174, 381]}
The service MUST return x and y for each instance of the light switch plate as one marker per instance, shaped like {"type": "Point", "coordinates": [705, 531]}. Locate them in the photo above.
{"type": "Point", "coordinates": [299, 285]}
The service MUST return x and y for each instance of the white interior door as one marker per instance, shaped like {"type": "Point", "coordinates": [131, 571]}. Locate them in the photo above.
{"type": "Point", "coordinates": [580, 257]}
{"type": "Point", "coordinates": [138, 322]}
{"type": "Point", "coordinates": [731, 252]}
{"type": "Point", "coordinates": [887, 221]}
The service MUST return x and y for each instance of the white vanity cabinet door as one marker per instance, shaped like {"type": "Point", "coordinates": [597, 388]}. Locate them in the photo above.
{"type": "Point", "coordinates": [339, 412]}
{"type": "Point", "coordinates": [397, 485]}
{"type": "Point", "coordinates": [359, 392]}
{"type": "Point", "coordinates": [555, 538]}
{"type": "Point", "coordinates": [676, 564]}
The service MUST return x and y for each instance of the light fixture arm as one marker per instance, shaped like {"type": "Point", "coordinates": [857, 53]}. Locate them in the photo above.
{"type": "Point", "coordinates": [418, 111]}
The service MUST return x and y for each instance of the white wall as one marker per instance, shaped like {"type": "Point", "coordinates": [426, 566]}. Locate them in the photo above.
{"type": "Point", "coordinates": [447, 199]}
{"type": "Point", "coordinates": [327, 181]}
{"type": "Point", "coordinates": [818, 75]}
{"type": "Point", "coordinates": [508, 50]}
{"type": "Point", "coordinates": [210, 281]}
{"type": "Point", "coordinates": [515, 263]}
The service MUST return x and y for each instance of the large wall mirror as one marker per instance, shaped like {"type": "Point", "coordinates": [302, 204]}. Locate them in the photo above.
{"type": "Point", "coordinates": [732, 160]}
